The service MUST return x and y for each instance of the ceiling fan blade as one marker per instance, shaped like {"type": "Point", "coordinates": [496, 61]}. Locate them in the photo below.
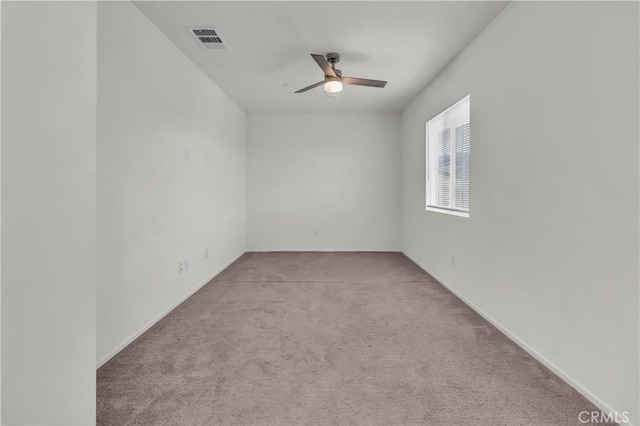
{"type": "Point", "coordinates": [363, 82]}
{"type": "Point", "coordinates": [310, 87]}
{"type": "Point", "coordinates": [322, 63]}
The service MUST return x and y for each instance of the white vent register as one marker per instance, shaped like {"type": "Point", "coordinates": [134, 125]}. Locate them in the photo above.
{"type": "Point", "coordinates": [208, 38]}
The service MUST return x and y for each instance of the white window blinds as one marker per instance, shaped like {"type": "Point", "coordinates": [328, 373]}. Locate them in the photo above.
{"type": "Point", "coordinates": [448, 149]}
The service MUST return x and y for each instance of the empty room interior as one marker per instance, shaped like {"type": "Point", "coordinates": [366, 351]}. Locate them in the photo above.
{"type": "Point", "coordinates": [320, 213]}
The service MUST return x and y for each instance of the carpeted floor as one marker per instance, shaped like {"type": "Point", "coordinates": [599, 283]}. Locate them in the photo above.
{"type": "Point", "coordinates": [328, 339]}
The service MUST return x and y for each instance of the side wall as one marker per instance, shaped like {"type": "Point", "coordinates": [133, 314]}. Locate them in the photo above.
{"type": "Point", "coordinates": [171, 176]}
{"type": "Point", "coordinates": [550, 252]}
{"type": "Point", "coordinates": [48, 213]}
{"type": "Point", "coordinates": [323, 181]}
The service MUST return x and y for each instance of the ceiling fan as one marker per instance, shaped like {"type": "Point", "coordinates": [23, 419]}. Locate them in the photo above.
{"type": "Point", "coordinates": [333, 79]}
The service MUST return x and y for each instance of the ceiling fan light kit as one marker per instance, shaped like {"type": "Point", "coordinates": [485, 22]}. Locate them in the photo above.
{"type": "Point", "coordinates": [333, 86]}
{"type": "Point", "coordinates": [333, 80]}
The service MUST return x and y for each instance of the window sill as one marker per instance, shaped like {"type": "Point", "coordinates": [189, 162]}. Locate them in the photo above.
{"type": "Point", "coordinates": [446, 211]}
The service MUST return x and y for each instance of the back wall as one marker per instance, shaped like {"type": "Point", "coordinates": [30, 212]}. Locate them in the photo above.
{"type": "Point", "coordinates": [318, 181]}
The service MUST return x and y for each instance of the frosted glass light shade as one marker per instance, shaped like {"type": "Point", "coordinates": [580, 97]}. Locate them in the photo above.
{"type": "Point", "coordinates": [333, 86]}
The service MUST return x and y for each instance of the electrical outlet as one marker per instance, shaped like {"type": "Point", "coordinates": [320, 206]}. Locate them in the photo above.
{"type": "Point", "coordinates": [206, 253]}
{"type": "Point", "coordinates": [315, 232]}
{"type": "Point", "coordinates": [453, 261]}
{"type": "Point", "coordinates": [186, 265]}
{"type": "Point", "coordinates": [186, 153]}
{"type": "Point", "coordinates": [180, 267]}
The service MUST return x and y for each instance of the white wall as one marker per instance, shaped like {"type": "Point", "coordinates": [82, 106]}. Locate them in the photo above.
{"type": "Point", "coordinates": [550, 251]}
{"type": "Point", "coordinates": [154, 206]}
{"type": "Point", "coordinates": [337, 174]}
{"type": "Point", "coordinates": [48, 212]}
{"type": "Point", "coordinates": [0, 216]}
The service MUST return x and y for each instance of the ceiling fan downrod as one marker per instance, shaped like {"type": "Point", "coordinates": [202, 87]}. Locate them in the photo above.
{"type": "Point", "coordinates": [333, 58]}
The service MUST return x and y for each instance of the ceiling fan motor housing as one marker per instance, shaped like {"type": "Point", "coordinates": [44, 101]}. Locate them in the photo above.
{"type": "Point", "coordinates": [338, 73]}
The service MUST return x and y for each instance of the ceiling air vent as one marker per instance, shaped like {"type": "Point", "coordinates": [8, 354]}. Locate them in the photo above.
{"type": "Point", "coordinates": [208, 38]}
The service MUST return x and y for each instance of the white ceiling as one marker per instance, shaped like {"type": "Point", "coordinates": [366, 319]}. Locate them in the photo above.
{"type": "Point", "coordinates": [405, 43]}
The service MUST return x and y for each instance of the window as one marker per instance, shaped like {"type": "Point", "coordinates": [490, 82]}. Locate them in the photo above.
{"type": "Point", "coordinates": [448, 148]}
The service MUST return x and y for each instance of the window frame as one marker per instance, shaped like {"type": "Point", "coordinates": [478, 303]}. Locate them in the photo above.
{"type": "Point", "coordinates": [429, 205]}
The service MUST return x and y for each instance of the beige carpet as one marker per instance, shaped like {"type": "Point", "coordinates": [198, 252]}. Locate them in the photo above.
{"type": "Point", "coordinates": [328, 339]}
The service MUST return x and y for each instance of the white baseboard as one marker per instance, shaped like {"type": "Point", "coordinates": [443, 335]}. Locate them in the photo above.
{"type": "Point", "coordinates": [531, 351]}
{"type": "Point", "coordinates": [324, 251]}
{"type": "Point", "coordinates": [162, 314]}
